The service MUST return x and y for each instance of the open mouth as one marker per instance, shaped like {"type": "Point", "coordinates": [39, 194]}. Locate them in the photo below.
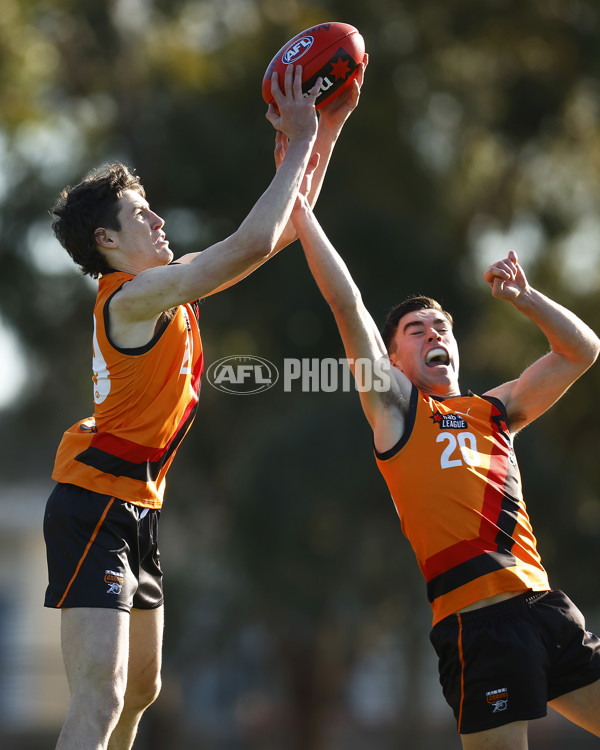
{"type": "Point", "coordinates": [436, 357]}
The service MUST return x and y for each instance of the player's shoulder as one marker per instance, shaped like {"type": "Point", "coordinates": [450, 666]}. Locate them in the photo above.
{"type": "Point", "coordinates": [501, 392]}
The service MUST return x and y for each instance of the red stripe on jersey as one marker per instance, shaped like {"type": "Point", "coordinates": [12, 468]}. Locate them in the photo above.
{"type": "Point", "coordinates": [467, 549]}
{"type": "Point", "coordinates": [136, 453]}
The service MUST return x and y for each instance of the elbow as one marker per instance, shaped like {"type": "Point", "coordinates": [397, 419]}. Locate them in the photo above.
{"type": "Point", "coordinates": [346, 302]}
{"type": "Point", "coordinates": [589, 351]}
{"type": "Point", "coordinates": [255, 247]}
{"type": "Point", "coordinates": [594, 350]}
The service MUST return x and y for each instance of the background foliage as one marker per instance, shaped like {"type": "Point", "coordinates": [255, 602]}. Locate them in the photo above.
{"type": "Point", "coordinates": [296, 616]}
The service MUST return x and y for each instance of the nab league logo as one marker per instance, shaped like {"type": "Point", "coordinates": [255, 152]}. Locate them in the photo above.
{"type": "Point", "coordinates": [498, 699]}
{"type": "Point", "coordinates": [449, 421]}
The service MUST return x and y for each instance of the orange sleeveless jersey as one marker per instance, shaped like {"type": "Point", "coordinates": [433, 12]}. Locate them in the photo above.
{"type": "Point", "coordinates": [145, 401]}
{"type": "Point", "coordinates": [456, 486]}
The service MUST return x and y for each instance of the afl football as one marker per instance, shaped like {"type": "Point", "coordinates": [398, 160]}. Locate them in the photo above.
{"type": "Point", "coordinates": [332, 51]}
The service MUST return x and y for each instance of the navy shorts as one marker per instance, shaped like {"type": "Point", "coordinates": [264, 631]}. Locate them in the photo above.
{"type": "Point", "coordinates": [101, 552]}
{"type": "Point", "coordinates": [505, 662]}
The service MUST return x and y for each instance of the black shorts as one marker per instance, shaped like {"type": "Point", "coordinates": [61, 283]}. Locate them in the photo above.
{"type": "Point", "coordinates": [503, 663]}
{"type": "Point", "coordinates": [101, 552]}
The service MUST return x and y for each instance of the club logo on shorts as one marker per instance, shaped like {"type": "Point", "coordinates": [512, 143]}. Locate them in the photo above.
{"type": "Point", "coordinates": [498, 699]}
{"type": "Point", "coordinates": [114, 581]}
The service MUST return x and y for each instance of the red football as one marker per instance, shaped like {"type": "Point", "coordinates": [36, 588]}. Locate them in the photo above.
{"type": "Point", "coordinates": [330, 50]}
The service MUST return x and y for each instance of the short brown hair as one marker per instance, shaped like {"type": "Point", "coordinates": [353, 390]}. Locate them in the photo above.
{"type": "Point", "coordinates": [81, 209]}
{"type": "Point", "coordinates": [410, 304]}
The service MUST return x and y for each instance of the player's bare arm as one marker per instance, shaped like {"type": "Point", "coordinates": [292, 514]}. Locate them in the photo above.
{"type": "Point", "coordinates": [384, 404]}
{"type": "Point", "coordinates": [136, 307]}
{"type": "Point", "coordinates": [574, 347]}
{"type": "Point", "coordinates": [331, 120]}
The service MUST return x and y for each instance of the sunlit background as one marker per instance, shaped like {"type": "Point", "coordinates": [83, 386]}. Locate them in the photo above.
{"type": "Point", "coordinates": [296, 618]}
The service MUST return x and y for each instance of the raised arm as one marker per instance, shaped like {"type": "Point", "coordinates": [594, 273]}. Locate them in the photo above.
{"type": "Point", "coordinates": [386, 400]}
{"type": "Point", "coordinates": [574, 347]}
{"type": "Point", "coordinates": [199, 274]}
{"type": "Point", "coordinates": [332, 118]}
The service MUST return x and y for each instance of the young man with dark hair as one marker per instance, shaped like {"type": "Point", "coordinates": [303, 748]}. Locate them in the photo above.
{"type": "Point", "coordinates": [82, 213]}
{"type": "Point", "coordinates": [101, 520]}
{"type": "Point", "coordinates": [411, 304]}
{"type": "Point", "coordinates": [507, 644]}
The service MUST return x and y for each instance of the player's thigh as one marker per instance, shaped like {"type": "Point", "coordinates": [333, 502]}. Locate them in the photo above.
{"type": "Point", "coordinates": [581, 706]}
{"type": "Point", "coordinates": [507, 737]}
{"type": "Point", "coordinates": [145, 651]}
{"type": "Point", "coordinates": [95, 645]}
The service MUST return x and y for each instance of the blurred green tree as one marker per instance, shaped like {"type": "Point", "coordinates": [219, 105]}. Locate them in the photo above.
{"type": "Point", "coordinates": [478, 131]}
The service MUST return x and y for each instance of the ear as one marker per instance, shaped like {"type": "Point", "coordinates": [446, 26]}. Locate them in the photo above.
{"type": "Point", "coordinates": [104, 238]}
{"type": "Point", "coordinates": [393, 357]}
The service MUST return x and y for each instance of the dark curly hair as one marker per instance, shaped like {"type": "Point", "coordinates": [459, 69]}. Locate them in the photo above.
{"type": "Point", "coordinates": [81, 209]}
{"type": "Point", "coordinates": [410, 304]}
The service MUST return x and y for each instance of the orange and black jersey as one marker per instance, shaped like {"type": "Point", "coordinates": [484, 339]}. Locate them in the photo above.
{"type": "Point", "coordinates": [145, 401]}
{"type": "Point", "coordinates": [456, 486]}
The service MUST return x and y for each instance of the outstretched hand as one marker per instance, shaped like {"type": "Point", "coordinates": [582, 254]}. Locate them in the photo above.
{"type": "Point", "coordinates": [506, 278]}
{"type": "Point", "coordinates": [335, 114]}
{"type": "Point", "coordinates": [293, 113]}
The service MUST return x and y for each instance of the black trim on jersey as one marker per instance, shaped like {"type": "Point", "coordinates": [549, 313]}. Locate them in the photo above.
{"type": "Point", "coordinates": [196, 308]}
{"type": "Point", "coordinates": [408, 427]}
{"type": "Point", "coordinates": [500, 404]}
{"type": "Point", "coordinates": [468, 571]}
{"type": "Point", "coordinates": [147, 471]}
{"type": "Point", "coordinates": [507, 522]}
{"type": "Point", "coordinates": [133, 351]}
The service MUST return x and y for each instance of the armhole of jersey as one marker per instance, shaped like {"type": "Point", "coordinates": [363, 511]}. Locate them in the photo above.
{"type": "Point", "coordinates": [195, 305]}
{"type": "Point", "coordinates": [135, 350]}
{"type": "Point", "coordinates": [408, 428]}
{"type": "Point", "coordinates": [496, 402]}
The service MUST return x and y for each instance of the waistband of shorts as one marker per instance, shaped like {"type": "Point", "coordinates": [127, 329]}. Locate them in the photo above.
{"type": "Point", "coordinates": [493, 610]}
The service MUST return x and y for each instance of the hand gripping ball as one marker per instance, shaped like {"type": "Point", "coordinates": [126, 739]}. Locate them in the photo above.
{"type": "Point", "coordinates": [332, 51]}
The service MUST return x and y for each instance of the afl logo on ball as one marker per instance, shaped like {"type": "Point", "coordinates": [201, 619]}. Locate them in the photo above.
{"type": "Point", "coordinates": [297, 49]}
